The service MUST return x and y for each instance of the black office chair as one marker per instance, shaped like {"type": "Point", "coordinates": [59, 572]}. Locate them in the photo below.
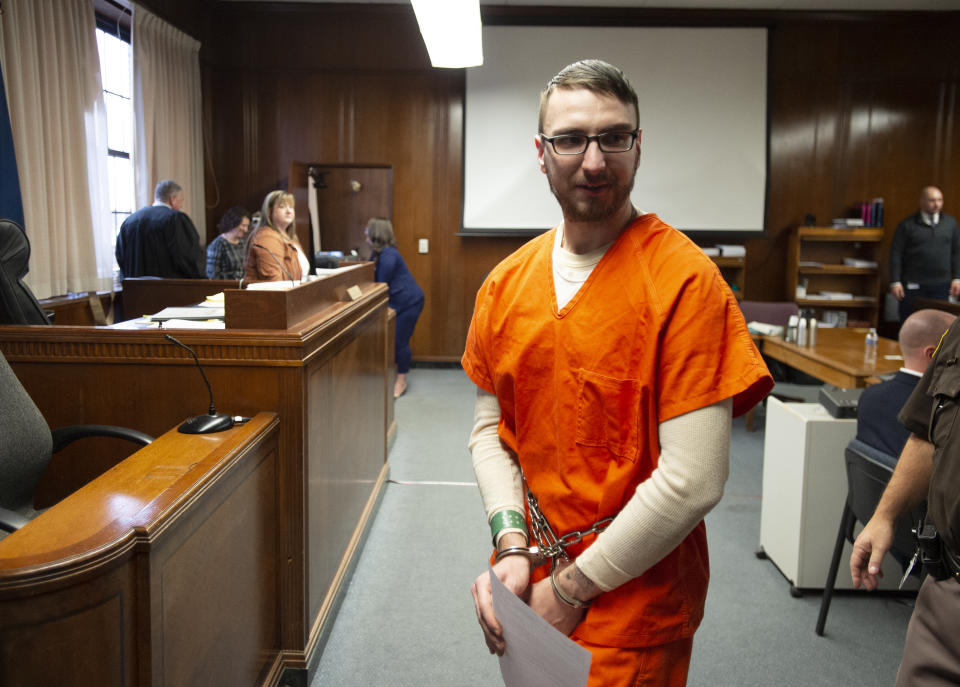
{"type": "Point", "coordinates": [868, 472]}
{"type": "Point", "coordinates": [771, 312]}
{"type": "Point", "coordinates": [26, 445]}
{"type": "Point", "coordinates": [18, 305]}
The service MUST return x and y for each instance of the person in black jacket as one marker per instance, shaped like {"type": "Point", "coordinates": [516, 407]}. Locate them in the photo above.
{"type": "Point", "coordinates": [925, 254]}
{"type": "Point", "coordinates": [405, 296]}
{"type": "Point", "coordinates": [879, 405]}
{"type": "Point", "coordinates": [160, 240]}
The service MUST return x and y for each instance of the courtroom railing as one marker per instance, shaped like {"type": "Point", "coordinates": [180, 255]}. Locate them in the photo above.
{"type": "Point", "coordinates": [164, 570]}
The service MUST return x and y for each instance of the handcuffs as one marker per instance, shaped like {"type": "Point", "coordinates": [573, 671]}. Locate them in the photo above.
{"type": "Point", "coordinates": [549, 545]}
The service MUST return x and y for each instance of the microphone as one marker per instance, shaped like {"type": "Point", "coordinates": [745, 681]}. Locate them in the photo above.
{"type": "Point", "coordinates": [212, 421]}
{"type": "Point", "coordinates": [277, 260]}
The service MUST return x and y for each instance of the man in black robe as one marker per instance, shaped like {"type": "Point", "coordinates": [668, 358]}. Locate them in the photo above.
{"type": "Point", "coordinates": [160, 241]}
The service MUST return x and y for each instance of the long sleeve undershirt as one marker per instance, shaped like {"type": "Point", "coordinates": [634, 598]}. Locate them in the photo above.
{"type": "Point", "coordinates": [686, 484]}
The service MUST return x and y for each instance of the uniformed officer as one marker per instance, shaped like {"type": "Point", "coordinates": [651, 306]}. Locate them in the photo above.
{"type": "Point", "coordinates": [929, 467]}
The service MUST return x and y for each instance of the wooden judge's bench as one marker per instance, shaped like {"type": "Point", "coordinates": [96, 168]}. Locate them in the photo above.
{"type": "Point", "coordinates": [280, 532]}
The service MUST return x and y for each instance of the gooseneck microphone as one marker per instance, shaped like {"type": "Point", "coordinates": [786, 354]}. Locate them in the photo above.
{"type": "Point", "coordinates": [212, 421]}
{"type": "Point", "coordinates": [277, 260]}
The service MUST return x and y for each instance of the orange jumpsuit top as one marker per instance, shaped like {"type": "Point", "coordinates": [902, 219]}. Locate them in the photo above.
{"type": "Point", "coordinates": [653, 333]}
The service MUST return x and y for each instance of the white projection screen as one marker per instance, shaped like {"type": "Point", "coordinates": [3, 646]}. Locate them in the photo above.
{"type": "Point", "coordinates": [703, 111]}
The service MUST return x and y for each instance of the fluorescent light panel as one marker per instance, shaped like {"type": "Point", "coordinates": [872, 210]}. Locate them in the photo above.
{"type": "Point", "coordinates": [451, 31]}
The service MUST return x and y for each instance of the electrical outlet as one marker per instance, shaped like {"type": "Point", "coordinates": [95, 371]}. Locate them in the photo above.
{"type": "Point", "coordinates": [424, 246]}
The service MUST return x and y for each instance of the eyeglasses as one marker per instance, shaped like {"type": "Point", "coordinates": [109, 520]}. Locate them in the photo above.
{"type": "Point", "coordinates": [608, 142]}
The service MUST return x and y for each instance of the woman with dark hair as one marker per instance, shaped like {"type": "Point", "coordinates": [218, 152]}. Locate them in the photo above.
{"type": "Point", "coordinates": [405, 295]}
{"type": "Point", "coordinates": [273, 251]}
{"type": "Point", "coordinates": [226, 252]}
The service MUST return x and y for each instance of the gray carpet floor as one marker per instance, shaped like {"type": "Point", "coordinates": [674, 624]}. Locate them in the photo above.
{"type": "Point", "coordinates": [408, 619]}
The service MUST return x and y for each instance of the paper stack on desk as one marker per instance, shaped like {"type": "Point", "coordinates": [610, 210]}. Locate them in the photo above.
{"type": "Point", "coordinates": [189, 313]}
{"type": "Point", "coordinates": [214, 301]}
{"type": "Point", "coordinates": [194, 324]}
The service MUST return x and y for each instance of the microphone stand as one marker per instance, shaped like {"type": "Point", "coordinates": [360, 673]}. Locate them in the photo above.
{"type": "Point", "coordinates": [212, 421]}
{"type": "Point", "coordinates": [279, 264]}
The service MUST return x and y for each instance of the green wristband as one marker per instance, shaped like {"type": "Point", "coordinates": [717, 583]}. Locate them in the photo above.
{"type": "Point", "coordinates": [507, 519]}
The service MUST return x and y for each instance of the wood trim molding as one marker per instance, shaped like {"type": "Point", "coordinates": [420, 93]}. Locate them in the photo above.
{"type": "Point", "coordinates": [264, 347]}
{"type": "Point", "coordinates": [169, 475]}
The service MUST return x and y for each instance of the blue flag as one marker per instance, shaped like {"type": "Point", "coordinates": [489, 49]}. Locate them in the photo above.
{"type": "Point", "coordinates": [11, 204]}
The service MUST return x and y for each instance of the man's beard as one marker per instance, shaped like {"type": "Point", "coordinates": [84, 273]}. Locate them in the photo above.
{"type": "Point", "coordinates": [593, 209]}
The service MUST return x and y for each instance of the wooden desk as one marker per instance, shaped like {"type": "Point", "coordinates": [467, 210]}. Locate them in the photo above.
{"type": "Point", "coordinates": [162, 571]}
{"type": "Point", "coordinates": [147, 295]}
{"type": "Point", "coordinates": [84, 309]}
{"type": "Point", "coordinates": [837, 358]}
{"type": "Point", "coordinates": [326, 378]}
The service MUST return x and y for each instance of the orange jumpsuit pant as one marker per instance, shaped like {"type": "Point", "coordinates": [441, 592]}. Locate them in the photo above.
{"type": "Point", "coordinates": [664, 665]}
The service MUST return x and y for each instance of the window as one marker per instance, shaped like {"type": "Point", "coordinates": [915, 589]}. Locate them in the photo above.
{"type": "Point", "coordinates": [115, 73]}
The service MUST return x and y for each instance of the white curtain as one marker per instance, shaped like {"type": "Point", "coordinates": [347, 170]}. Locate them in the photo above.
{"type": "Point", "coordinates": [167, 105]}
{"type": "Point", "coordinates": [52, 72]}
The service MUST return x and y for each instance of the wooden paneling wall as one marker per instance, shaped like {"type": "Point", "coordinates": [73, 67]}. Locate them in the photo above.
{"type": "Point", "coordinates": [190, 16]}
{"type": "Point", "coordinates": [858, 109]}
{"type": "Point", "coordinates": [860, 106]}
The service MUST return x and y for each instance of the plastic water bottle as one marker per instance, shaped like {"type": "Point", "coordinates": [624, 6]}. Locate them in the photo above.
{"type": "Point", "coordinates": [790, 333]}
{"type": "Point", "coordinates": [870, 347]}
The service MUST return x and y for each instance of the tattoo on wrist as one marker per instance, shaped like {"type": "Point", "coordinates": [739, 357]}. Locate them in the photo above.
{"type": "Point", "coordinates": [584, 585]}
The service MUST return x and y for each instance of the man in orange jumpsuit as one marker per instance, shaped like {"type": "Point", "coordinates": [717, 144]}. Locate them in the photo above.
{"type": "Point", "coordinates": [609, 357]}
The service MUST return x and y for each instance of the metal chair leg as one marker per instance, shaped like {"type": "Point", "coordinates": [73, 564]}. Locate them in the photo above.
{"type": "Point", "coordinates": [846, 522]}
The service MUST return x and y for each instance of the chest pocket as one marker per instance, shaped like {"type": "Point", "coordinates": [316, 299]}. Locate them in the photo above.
{"type": "Point", "coordinates": [945, 389]}
{"type": "Point", "coordinates": [608, 414]}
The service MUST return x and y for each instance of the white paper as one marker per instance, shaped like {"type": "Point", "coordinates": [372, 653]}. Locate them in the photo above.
{"type": "Point", "coordinates": [284, 285]}
{"type": "Point", "coordinates": [194, 324]}
{"type": "Point", "coordinates": [189, 312]}
{"type": "Point", "coordinates": [537, 654]}
{"type": "Point", "coordinates": [214, 301]}
{"type": "Point", "coordinates": [138, 323]}
{"type": "Point", "coordinates": [327, 271]}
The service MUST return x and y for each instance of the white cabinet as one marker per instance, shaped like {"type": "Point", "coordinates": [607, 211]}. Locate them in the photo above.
{"type": "Point", "coordinates": [804, 489]}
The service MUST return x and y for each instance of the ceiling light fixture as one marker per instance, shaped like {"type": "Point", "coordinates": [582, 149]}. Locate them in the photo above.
{"type": "Point", "coordinates": [451, 31]}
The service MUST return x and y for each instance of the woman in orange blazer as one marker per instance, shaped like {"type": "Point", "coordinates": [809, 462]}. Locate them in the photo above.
{"type": "Point", "coordinates": [273, 251]}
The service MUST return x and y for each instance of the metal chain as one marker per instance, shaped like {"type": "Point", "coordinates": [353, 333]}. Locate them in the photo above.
{"type": "Point", "coordinates": [549, 544]}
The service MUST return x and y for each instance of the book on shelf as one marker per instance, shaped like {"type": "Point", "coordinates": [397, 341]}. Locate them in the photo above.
{"type": "Point", "coordinates": [730, 251]}
{"type": "Point", "coordinates": [877, 204]}
{"type": "Point", "coordinates": [857, 262]}
{"type": "Point", "coordinates": [834, 318]}
{"type": "Point", "coordinates": [872, 213]}
{"type": "Point", "coordinates": [847, 222]}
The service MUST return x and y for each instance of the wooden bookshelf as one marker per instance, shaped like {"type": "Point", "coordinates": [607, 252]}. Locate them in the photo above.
{"type": "Point", "coordinates": [816, 257]}
{"type": "Point", "coordinates": [733, 271]}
